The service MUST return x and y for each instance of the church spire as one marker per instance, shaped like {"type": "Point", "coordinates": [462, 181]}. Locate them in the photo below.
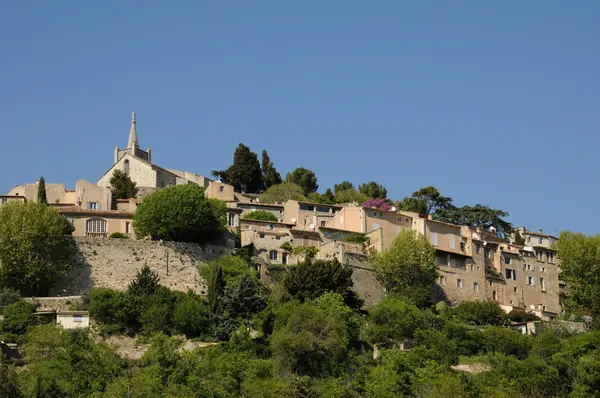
{"type": "Point", "coordinates": [133, 140]}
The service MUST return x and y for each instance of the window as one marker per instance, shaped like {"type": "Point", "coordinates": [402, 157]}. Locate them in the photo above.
{"type": "Point", "coordinates": [528, 267]}
{"type": "Point", "coordinates": [95, 226]}
{"type": "Point", "coordinates": [462, 246]}
{"type": "Point", "coordinates": [307, 207]}
{"type": "Point", "coordinates": [495, 295]}
{"type": "Point", "coordinates": [261, 235]}
{"type": "Point", "coordinates": [323, 223]}
{"type": "Point", "coordinates": [472, 267]}
{"type": "Point", "coordinates": [543, 284]}
{"type": "Point", "coordinates": [442, 280]}
{"type": "Point", "coordinates": [323, 209]}
{"type": "Point", "coordinates": [475, 286]}
{"type": "Point", "coordinates": [284, 258]}
{"type": "Point", "coordinates": [452, 261]}
{"type": "Point", "coordinates": [77, 318]}
{"type": "Point", "coordinates": [271, 226]}
{"type": "Point", "coordinates": [543, 269]}
{"type": "Point", "coordinates": [4, 200]}
{"type": "Point", "coordinates": [126, 227]}
{"type": "Point", "coordinates": [231, 220]}
{"type": "Point", "coordinates": [93, 206]}
{"type": "Point", "coordinates": [491, 283]}
{"type": "Point", "coordinates": [221, 188]}
{"type": "Point", "coordinates": [487, 253]}
{"type": "Point", "coordinates": [531, 280]}
{"type": "Point", "coordinates": [434, 238]}
{"type": "Point", "coordinates": [278, 237]}
{"type": "Point", "coordinates": [452, 243]}
{"type": "Point", "coordinates": [508, 273]}
{"type": "Point", "coordinates": [543, 308]}
{"type": "Point", "coordinates": [524, 267]}
{"type": "Point", "coordinates": [273, 255]}
{"type": "Point", "coordinates": [374, 214]}
{"type": "Point", "coordinates": [459, 283]}
{"type": "Point", "coordinates": [506, 260]}
{"type": "Point", "coordinates": [515, 289]}
{"type": "Point", "coordinates": [477, 248]}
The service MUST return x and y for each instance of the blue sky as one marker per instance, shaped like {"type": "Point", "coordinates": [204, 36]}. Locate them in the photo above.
{"type": "Point", "coordinates": [491, 102]}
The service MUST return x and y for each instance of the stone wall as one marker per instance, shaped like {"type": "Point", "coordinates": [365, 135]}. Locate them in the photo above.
{"type": "Point", "coordinates": [365, 282]}
{"type": "Point", "coordinates": [113, 263]}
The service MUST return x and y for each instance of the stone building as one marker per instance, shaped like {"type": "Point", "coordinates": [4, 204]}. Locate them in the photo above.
{"type": "Point", "coordinates": [148, 176]}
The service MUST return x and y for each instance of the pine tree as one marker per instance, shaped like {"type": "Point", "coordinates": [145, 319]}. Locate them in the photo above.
{"type": "Point", "coordinates": [244, 174]}
{"type": "Point", "coordinates": [41, 196]}
{"type": "Point", "coordinates": [145, 282]}
{"type": "Point", "coordinates": [122, 185]}
{"type": "Point", "coordinates": [269, 173]}
{"type": "Point", "coordinates": [216, 289]}
{"type": "Point", "coordinates": [304, 178]}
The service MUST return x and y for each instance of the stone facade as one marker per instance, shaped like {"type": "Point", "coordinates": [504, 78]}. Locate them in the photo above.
{"type": "Point", "coordinates": [113, 263]}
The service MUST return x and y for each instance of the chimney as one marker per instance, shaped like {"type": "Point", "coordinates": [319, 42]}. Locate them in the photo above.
{"type": "Point", "coordinates": [429, 217]}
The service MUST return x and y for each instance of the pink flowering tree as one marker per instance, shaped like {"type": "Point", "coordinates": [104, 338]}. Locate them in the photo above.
{"type": "Point", "coordinates": [377, 204]}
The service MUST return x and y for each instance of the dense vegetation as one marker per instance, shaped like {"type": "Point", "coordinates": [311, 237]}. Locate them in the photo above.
{"type": "Point", "coordinates": [180, 213]}
{"type": "Point", "coordinates": [303, 337]}
{"type": "Point", "coordinates": [35, 247]}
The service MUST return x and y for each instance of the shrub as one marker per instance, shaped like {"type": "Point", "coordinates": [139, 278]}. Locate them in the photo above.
{"type": "Point", "coordinates": [506, 341]}
{"type": "Point", "coordinates": [8, 296]}
{"type": "Point", "coordinates": [260, 215]}
{"type": "Point", "coordinates": [118, 235]}
{"type": "Point", "coordinates": [392, 320]}
{"type": "Point", "coordinates": [522, 316]}
{"type": "Point", "coordinates": [356, 239]}
{"type": "Point", "coordinates": [157, 311]}
{"type": "Point", "coordinates": [233, 267]}
{"type": "Point", "coordinates": [287, 246]}
{"type": "Point", "coordinates": [480, 313]}
{"type": "Point", "coordinates": [180, 213]}
{"type": "Point", "coordinates": [117, 310]}
{"type": "Point", "coordinates": [307, 252]}
{"type": "Point", "coordinates": [18, 317]}
{"type": "Point", "coordinates": [191, 316]}
{"type": "Point", "coordinates": [309, 280]}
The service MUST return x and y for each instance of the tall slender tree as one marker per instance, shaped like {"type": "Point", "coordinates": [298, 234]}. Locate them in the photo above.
{"type": "Point", "coordinates": [41, 195]}
{"type": "Point", "coordinates": [270, 174]}
{"type": "Point", "coordinates": [304, 178]}
{"type": "Point", "coordinates": [244, 174]}
{"type": "Point", "coordinates": [122, 185]}
{"type": "Point", "coordinates": [216, 288]}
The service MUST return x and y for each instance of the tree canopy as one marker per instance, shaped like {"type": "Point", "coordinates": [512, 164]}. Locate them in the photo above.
{"type": "Point", "coordinates": [373, 190]}
{"type": "Point", "coordinates": [260, 215]}
{"type": "Point", "coordinates": [408, 268]}
{"type": "Point", "coordinates": [35, 247]}
{"type": "Point", "coordinates": [245, 173]}
{"type": "Point", "coordinates": [478, 216]}
{"type": "Point", "coordinates": [282, 192]}
{"type": "Point", "coordinates": [270, 175]}
{"type": "Point", "coordinates": [179, 213]}
{"type": "Point", "coordinates": [122, 185]}
{"type": "Point", "coordinates": [304, 178]}
{"type": "Point", "coordinates": [427, 200]}
{"type": "Point", "coordinates": [342, 186]}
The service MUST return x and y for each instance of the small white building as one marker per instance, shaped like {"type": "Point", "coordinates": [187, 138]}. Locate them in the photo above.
{"type": "Point", "coordinates": [73, 319]}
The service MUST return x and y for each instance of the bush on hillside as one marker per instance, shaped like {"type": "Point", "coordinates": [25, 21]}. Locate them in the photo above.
{"type": "Point", "coordinates": [117, 311]}
{"type": "Point", "coordinates": [118, 235]}
{"type": "Point", "coordinates": [18, 317]}
{"type": "Point", "coordinates": [260, 215]}
{"type": "Point", "coordinates": [179, 213]}
{"type": "Point", "coordinates": [480, 313]}
{"type": "Point", "coordinates": [8, 296]}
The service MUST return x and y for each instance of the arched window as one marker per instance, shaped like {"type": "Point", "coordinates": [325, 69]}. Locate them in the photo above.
{"type": "Point", "coordinates": [95, 226]}
{"type": "Point", "coordinates": [126, 166]}
{"type": "Point", "coordinates": [273, 255]}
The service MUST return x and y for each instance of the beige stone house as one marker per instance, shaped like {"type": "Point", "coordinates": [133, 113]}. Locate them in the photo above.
{"type": "Point", "coordinates": [98, 223]}
{"type": "Point", "coordinates": [267, 237]}
{"type": "Point", "coordinates": [4, 199]}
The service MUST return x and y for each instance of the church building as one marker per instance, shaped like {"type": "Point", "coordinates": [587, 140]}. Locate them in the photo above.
{"type": "Point", "coordinates": [137, 163]}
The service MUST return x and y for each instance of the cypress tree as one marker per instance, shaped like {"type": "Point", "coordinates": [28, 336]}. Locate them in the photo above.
{"type": "Point", "coordinates": [270, 174]}
{"type": "Point", "coordinates": [216, 288]}
{"type": "Point", "coordinates": [41, 196]}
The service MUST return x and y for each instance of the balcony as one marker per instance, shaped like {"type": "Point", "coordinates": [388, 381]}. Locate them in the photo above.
{"type": "Point", "coordinates": [96, 234]}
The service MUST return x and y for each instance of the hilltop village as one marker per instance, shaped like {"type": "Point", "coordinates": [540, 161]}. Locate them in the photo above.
{"type": "Point", "coordinates": [518, 272]}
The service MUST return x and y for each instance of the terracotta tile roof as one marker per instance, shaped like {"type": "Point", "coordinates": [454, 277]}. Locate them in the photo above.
{"type": "Point", "coordinates": [539, 234]}
{"type": "Point", "coordinates": [79, 210]}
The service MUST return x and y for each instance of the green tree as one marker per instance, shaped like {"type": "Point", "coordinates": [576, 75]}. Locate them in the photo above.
{"type": "Point", "coordinates": [8, 296]}
{"type": "Point", "coordinates": [480, 313]}
{"type": "Point", "coordinates": [350, 196]}
{"type": "Point", "coordinates": [427, 200]}
{"type": "Point", "coordinates": [232, 266]}
{"type": "Point", "coordinates": [145, 283]}
{"type": "Point", "coordinates": [391, 321]}
{"type": "Point", "coordinates": [579, 257]}
{"type": "Point", "coordinates": [477, 216]}
{"type": "Point", "coordinates": [311, 279]}
{"type": "Point", "coordinates": [316, 197]}
{"type": "Point", "coordinates": [373, 190]}
{"type": "Point", "coordinates": [35, 247]}
{"type": "Point", "coordinates": [282, 193]}
{"type": "Point", "coordinates": [179, 213]}
{"type": "Point", "coordinates": [122, 185]}
{"type": "Point", "coordinates": [216, 288]}
{"type": "Point", "coordinates": [191, 316]}
{"type": "Point", "coordinates": [304, 178]}
{"type": "Point", "coordinates": [408, 267]}
{"type": "Point", "coordinates": [306, 252]}
{"type": "Point", "coordinates": [260, 215]}
{"type": "Point", "coordinates": [118, 311]}
{"type": "Point", "coordinates": [18, 317]}
{"type": "Point", "coordinates": [244, 174]}
{"type": "Point", "coordinates": [41, 196]}
{"type": "Point", "coordinates": [343, 186]}
{"type": "Point", "coordinates": [329, 196]}
{"type": "Point", "coordinates": [270, 175]}
{"type": "Point", "coordinates": [244, 298]}
{"type": "Point", "coordinates": [518, 238]}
